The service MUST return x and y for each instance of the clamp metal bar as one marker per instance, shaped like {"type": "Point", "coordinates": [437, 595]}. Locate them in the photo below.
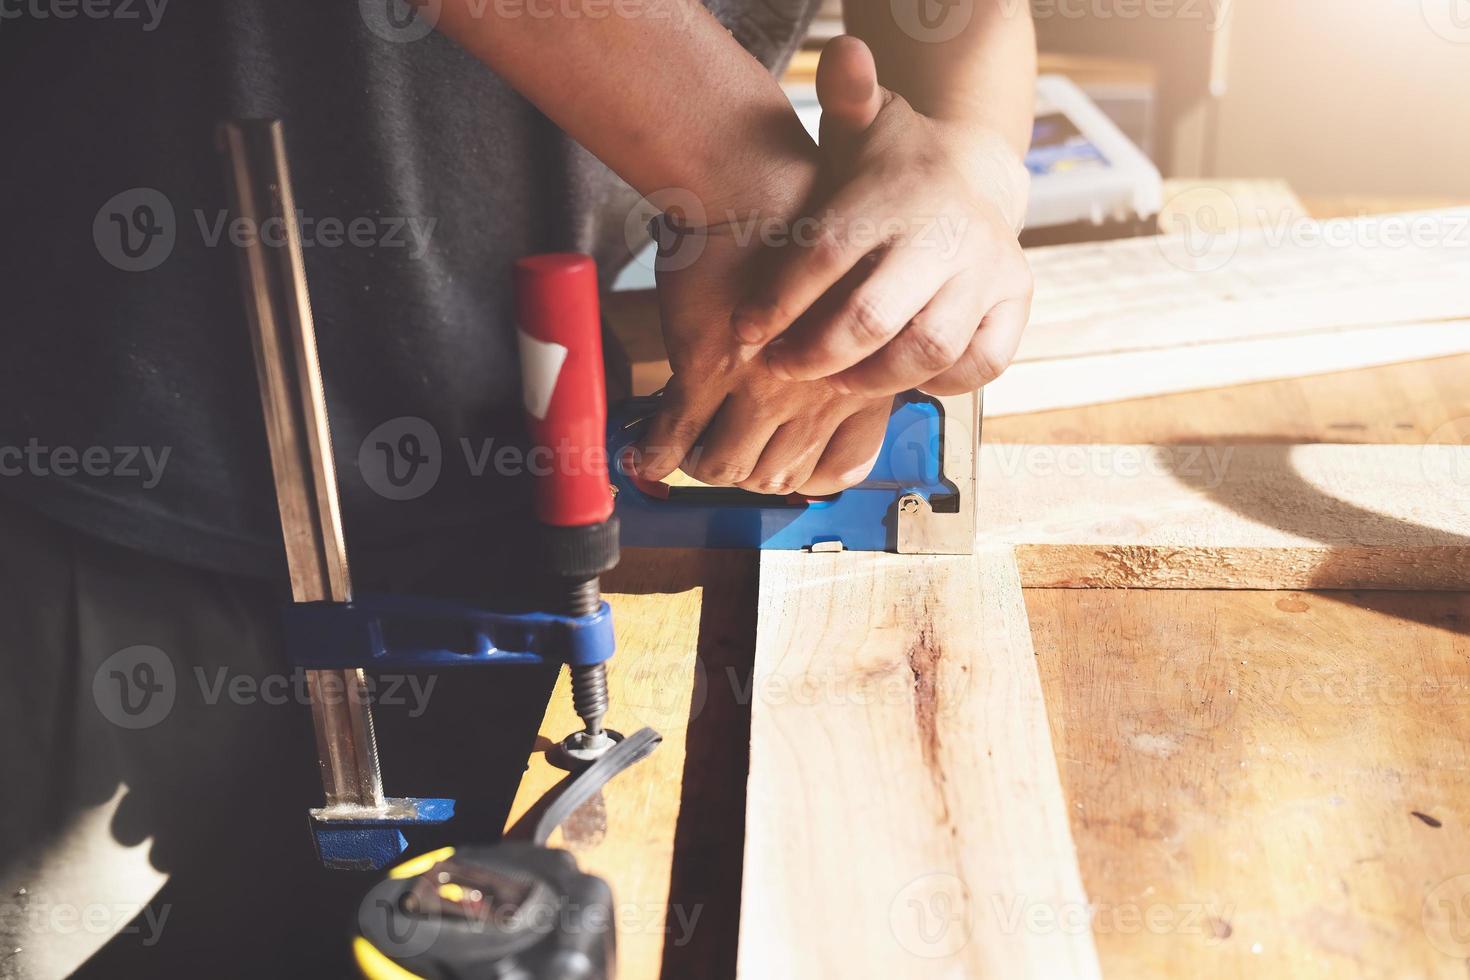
{"type": "Point", "coordinates": [273, 278]}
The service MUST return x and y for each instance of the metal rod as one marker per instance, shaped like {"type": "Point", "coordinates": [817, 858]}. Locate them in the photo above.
{"type": "Point", "coordinates": [273, 278]}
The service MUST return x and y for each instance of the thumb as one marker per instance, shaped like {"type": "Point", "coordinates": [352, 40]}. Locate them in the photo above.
{"type": "Point", "coordinates": [847, 87]}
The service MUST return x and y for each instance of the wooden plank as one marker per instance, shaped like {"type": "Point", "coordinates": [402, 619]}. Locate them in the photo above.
{"type": "Point", "coordinates": [1220, 283]}
{"type": "Point", "coordinates": [1291, 813]}
{"type": "Point", "coordinates": [672, 855]}
{"type": "Point", "coordinates": [904, 816]}
{"type": "Point", "coordinates": [1231, 517]}
{"type": "Point", "coordinates": [1245, 769]}
{"type": "Point", "coordinates": [1412, 403]}
{"type": "Point", "coordinates": [1071, 382]}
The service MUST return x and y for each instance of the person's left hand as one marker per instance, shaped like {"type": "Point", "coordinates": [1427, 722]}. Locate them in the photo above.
{"type": "Point", "coordinates": [915, 259]}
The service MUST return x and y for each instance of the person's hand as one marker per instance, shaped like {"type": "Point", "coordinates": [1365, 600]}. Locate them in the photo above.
{"type": "Point", "coordinates": [723, 417]}
{"type": "Point", "coordinates": [913, 276]}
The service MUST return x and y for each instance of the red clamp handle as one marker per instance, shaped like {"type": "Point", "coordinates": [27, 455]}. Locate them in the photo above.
{"type": "Point", "coordinates": [560, 333]}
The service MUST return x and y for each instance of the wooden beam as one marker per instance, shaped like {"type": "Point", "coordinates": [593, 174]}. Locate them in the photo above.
{"type": "Point", "coordinates": [1216, 284]}
{"type": "Point", "coordinates": [1071, 382]}
{"type": "Point", "coordinates": [904, 815]}
{"type": "Point", "coordinates": [1231, 517]}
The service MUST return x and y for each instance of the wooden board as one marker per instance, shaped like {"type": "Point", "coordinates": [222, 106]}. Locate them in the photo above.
{"type": "Point", "coordinates": [1068, 382]}
{"type": "Point", "coordinates": [1231, 517]}
{"type": "Point", "coordinates": [1246, 770]}
{"type": "Point", "coordinates": [1414, 403]}
{"type": "Point", "coordinates": [904, 816]}
{"type": "Point", "coordinates": [685, 632]}
{"type": "Point", "coordinates": [1220, 283]}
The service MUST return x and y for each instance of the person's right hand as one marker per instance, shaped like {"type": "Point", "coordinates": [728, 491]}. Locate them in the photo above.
{"type": "Point", "coordinates": [724, 418]}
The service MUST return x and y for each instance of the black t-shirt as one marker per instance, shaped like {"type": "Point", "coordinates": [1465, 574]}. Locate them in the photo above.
{"type": "Point", "coordinates": [128, 402]}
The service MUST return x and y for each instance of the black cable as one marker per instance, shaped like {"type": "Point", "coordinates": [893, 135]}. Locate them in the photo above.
{"type": "Point", "coordinates": [637, 746]}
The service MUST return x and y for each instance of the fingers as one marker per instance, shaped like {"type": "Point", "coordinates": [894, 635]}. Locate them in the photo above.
{"type": "Point", "coordinates": [927, 345]}
{"type": "Point", "coordinates": [847, 87]}
{"type": "Point", "coordinates": [806, 270]}
{"type": "Point", "coordinates": [684, 412]}
{"type": "Point", "coordinates": [851, 452]}
{"type": "Point", "coordinates": [943, 338]}
{"type": "Point", "coordinates": [872, 314]}
{"type": "Point", "coordinates": [791, 456]}
{"type": "Point", "coordinates": [733, 443]}
{"type": "Point", "coordinates": [990, 352]}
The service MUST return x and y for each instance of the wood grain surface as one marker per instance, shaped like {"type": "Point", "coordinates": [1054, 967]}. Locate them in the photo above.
{"type": "Point", "coordinates": [1251, 821]}
{"type": "Point", "coordinates": [904, 815]}
{"type": "Point", "coordinates": [1202, 736]}
{"type": "Point", "coordinates": [1230, 517]}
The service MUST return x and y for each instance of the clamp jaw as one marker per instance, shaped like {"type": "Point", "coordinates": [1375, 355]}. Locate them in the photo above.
{"type": "Point", "coordinates": [918, 499]}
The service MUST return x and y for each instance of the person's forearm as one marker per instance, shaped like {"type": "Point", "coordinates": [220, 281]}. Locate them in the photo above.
{"type": "Point", "coordinates": [984, 75]}
{"type": "Point", "coordinates": [656, 89]}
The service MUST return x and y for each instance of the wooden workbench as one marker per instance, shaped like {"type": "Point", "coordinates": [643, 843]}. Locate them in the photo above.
{"type": "Point", "coordinates": [1268, 783]}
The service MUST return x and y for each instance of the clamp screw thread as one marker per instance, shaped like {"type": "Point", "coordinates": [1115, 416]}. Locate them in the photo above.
{"type": "Point", "coordinates": [589, 695]}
